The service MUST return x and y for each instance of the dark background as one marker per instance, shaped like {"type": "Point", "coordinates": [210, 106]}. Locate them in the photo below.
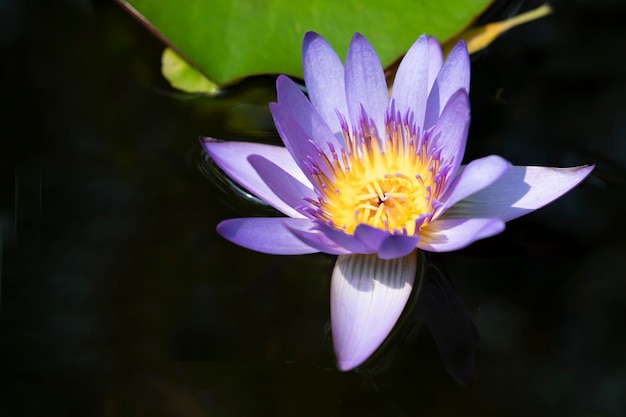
{"type": "Point", "coordinates": [118, 298]}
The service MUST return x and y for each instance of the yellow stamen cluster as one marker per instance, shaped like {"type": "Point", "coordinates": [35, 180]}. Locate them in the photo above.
{"type": "Point", "coordinates": [387, 187]}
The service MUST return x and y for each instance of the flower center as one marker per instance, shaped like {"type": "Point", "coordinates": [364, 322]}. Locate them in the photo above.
{"type": "Point", "coordinates": [392, 187]}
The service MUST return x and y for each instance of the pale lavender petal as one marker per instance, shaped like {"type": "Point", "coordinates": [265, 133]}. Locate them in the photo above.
{"type": "Point", "coordinates": [385, 244]}
{"type": "Point", "coordinates": [289, 190]}
{"type": "Point", "coordinates": [449, 135]}
{"type": "Point", "coordinates": [445, 235]}
{"type": "Point", "coordinates": [291, 97]}
{"type": "Point", "coordinates": [232, 158]}
{"type": "Point", "coordinates": [519, 191]}
{"type": "Point", "coordinates": [435, 60]}
{"type": "Point", "coordinates": [477, 175]}
{"type": "Point", "coordinates": [324, 79]}
{"type": "Point", "coordinates": [410, 86]}
{"type": "Point", "coordinates": [367, 297]}
{"type": "Point", "coordinates": [453, 76]}
{"type": "Point", "coordinates": [365, 83]}
{"type": "Point", "coordinates": [267, 234]}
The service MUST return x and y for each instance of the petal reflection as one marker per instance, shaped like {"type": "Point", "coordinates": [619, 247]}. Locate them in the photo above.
{"type": "Point", "coordinates": [450, 324]}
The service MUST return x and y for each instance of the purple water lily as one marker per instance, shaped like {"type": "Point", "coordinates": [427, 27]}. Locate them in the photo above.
{"type": "Point", "coordinates": [372, 178]}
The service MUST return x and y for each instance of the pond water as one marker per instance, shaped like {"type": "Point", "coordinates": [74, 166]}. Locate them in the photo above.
{"type": "Point", "coordinates": [118, 297]}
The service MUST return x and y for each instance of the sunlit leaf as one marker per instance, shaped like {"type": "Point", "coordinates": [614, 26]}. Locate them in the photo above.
{"type": "Point", "coordinates": [479, 37]}
{"type": "Point", "coordinates": [230, 39]}
{"type": "Point", "coordinates": [183, 76]}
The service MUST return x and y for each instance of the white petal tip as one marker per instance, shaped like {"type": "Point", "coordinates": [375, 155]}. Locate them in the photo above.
{"type": "Point", "coordinates": [345, 366]}
{"type": "Point", "coordinates": [368, 295]}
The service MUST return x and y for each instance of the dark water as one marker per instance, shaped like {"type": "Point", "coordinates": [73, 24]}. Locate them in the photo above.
{"type": "Point", "coordinates": [118, 298]}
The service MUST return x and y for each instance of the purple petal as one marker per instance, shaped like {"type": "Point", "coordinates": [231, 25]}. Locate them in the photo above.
{"type": "Point", "coordinates": [397, 246]}
{"type": "Point", "coordinates": [371, 236]}
{"type": "Point", "coordinates": [410, 86]}
{"type": "Point", "coordinates": [519, 191]}
{"type": "Point", "coordinates": [324, 79]}
{"type": "Point", "coordinates": [267, 234]}
{"type": "Point", "coordinates": [350, 242]}
{"type": "Point", "coordinates": [385, 244]}
{"type": "Point", "coordinates": [365, 83]}
{"type": "Point", "coordinates": [453, 76]}
{"type": "Point", "coordinates": [291, 98]}
{"type": "Point", "coordinates": [232, 158]}
{"type": "Point", "coordinates": [319, 240]}
{"type": "Point", "coordinates": [367, 297]}
{"type": "Point", "coordinates": [289, 190]}
{"type": "Point", "coordinates": [445, 235]}
{"type": "Point", "coordinates": [435, 60]}
{"type": "Point", "coordinates": [450, 133]}
{"type": "Point", "coordinates": [296, 140]}
{"type": "Point", "coordinates": [477, 175]}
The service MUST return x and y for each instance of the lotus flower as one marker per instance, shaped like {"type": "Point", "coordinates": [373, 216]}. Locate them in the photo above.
{"type": "Point", "coordinates": [372, 177]}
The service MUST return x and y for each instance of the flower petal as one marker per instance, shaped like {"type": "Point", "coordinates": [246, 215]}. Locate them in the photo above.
{"type": "Point", "coordinates": [232, 158]}
{"type": "Point", "coordinates": [519, 191]}
{"type": "Point", "coordinates": [350, 242]}
{"type": "Point", "coordinates": [370, 236]}
{"type": "Point", "coordinates": [453, 76]}
{"type": "Point", "coordinates": [289, 190]}
{"type": "Point", "coordinates": [445, 235]}
{"type": "Point", "coordinates": [365, 83]}
{"type": "Point", "coordinates": [319, 240]}
{"type": "Point", "coordinates": [396, 246]}
{"type": "Point", "coordinates": [410, 86]}
{"type": "Point", "coordinates": [324, 79]}
{"type": "Point", "coordinates": [367, 297]}
{"type": "Point", "coordinates": [385, 244]}
{"type": "Point", "coordinates": [267, 234]}
{"type": "Point", "coordinates": [291, 97]}
{"type": "Point", "coordinates": [449, 135]}
{"type": "Point", "coordinates": [435, 60]}
{"type": "Point", "coordinates": [296, 140]}
{"type": "Point", "coordinates": [477, 175]}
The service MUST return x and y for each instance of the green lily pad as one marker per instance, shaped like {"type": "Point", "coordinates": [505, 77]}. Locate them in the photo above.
{"type": "Point", "coordinates": [230, 39]}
